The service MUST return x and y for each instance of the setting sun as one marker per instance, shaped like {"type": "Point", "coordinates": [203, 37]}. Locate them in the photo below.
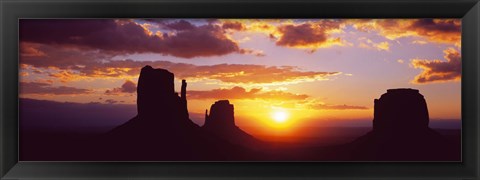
{"type": "Point", "coordinates": [280, 116]}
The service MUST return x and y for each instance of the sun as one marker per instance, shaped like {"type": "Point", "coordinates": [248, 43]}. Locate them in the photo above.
{"type": "Point", "coordinates": [280, 116]}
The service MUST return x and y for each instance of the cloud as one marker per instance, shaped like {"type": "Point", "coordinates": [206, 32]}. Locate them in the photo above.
{"type": "Point", "coordinates": [24, 74]}
{"type": "Point", "coordinates": [102, 34]}
{"type": "Point", "coordinates": [127, 87]}
{"type": "Point", "coordinates": [419, 42]}
{"type": "Point", "coordinates": [438, 70]}
{"type": "Point", "coordinates": [337, 107]}
{"type": "Point", "coordinates": [206, 40]}
{"type": "Point", "coordinates": [440, 30]}
{"type": "Point", "coordinates": [308, 35]}
{"type": "Point", "coordinates": [30, 50]}
{"type": "Point", "coordinates": [184, 39]}
{"type": "Point", "coordinates": [111, 101]}
{"type": "Point", "coordinates": [48, 89]}
{"type": "Point", "coordinates": [369, 44]}
{"type": "Point", "coordinates": [243, 73]}
{"type": "Point", "coordinates": [300, 35]}
{"type": "Point", "coordinates": [126, 36]}
{"type": "Point", "coordinates": [382, 46]}
{"type": "Point", "coordinates": [61, 58]}
{"type": "Point", "coordinates": [312, 34]}
{"type": "Point", "coordinates": [180, 25]}
{"type": "Point", "coordinates": [241, 93]}
{"type": "Point", "coordinates": [257, 53]}
{"type": "Point", "coordinates": [70, 65]}
{"type": "Point", "coordinates": [233, 25]}
{"type": "Point", "coordinates": [434, 30]}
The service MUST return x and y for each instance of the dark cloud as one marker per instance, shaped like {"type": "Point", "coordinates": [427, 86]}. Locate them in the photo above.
{"type": "Point", "coordinates": [426, 26]}
{"type": "Point", "coordinates": [308, 35]}
{"type": "Point", "coordinates": [61, 58]}
{"type": "Point", "coordinates": [435, 30]}
{"type": "Point", "coordinates": [111, 101]}
{"type": "Point", "coordinates": [438, 70]}
{"type": "Point", "coordinates": [45, 88]}
{"type": "Point", "coordinates": [241, 93]}
{"type": "Point", "coordinates": [439, 30]}
{"type": "Point", "coordinates": [101, 34]}
{"type": "Point", "coordinates": [206, 40]}
{"type": "Point", "coordinates": [127, 87]}
{"type": "Point", "coordinates": [180, 25]}
{"type": "Point", "coordinates": [233, 25]}
{"type": "Point", "coordinates": [300, 35]}
{"type": "Point", "coordinates": [125, 36]}
{"type": "Point", "coordinates": [253, 52]}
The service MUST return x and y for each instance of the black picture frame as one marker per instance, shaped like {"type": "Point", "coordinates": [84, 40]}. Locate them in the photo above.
{"type": "Point", "coordinates": [11, 11]}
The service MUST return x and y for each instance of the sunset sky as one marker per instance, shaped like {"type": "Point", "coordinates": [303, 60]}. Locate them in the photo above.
{"type": "Point", "coordinates": [278, 73]}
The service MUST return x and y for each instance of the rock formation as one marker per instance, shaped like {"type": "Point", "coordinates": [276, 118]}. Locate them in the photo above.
{"type": "Point", "coordinates": [401, 132]}
{"type": "Point", "coordinates": [158, 105]}
{"type": "Point", "coordinates": [162, 129]}
{"type": "Point", "coordinates": [221, 123]}
{"type": "Point", "coordinates": [221, 115]}
{"type": "Point", "coordinates": [400, 110]}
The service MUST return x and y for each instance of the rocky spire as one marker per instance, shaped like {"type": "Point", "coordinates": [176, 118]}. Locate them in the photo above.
{"type": "Point", "coordinates": [206, 115]}
{"type": "Point", "coordinates": [183, 94]}
{"type": "Point", "coordinates": [183, 97]}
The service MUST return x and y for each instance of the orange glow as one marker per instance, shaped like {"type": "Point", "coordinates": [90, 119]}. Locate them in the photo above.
{"type": "Point", "coordinates": [304, 72]}
{"type": "Point", "coordinates": [280, 116]}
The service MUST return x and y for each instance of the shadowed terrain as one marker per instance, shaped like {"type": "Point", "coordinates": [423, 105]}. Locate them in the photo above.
{"type": "Point", "coordinates": [163, 131]}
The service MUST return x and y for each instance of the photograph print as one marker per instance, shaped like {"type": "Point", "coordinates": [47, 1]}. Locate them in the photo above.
{"type": "Point", "coordinates": [240, 90]}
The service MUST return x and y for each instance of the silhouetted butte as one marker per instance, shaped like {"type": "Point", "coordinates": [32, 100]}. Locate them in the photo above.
{"type": "Point", "coordinates": [401, 132]}
{"type": "Point", "coordinates": [221, 123]}
{"type": "Point", "coordinates": [162, 129]}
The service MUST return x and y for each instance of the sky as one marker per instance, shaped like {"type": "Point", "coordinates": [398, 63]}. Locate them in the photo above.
{"type": "Point", "coordinates": [278, 73]}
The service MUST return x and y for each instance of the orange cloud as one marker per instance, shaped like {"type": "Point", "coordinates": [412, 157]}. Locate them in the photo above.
{"type": "Point", "coordinates": [438, 70]}
{"type": "Point", "coordinates": [241, 93]}
{"type": "Point", "coordinates": [30, 50]}
{"type": "Point", "coordinates": [65, 75]}
{"type": "Point", "coordinates": [71, 64]}
{"type": "Point", "coordinates": [251, 74]}
{"type": "Point", "coordinates": [227, 73]}
{"type": "Point", "coordinates": [369, 44]}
